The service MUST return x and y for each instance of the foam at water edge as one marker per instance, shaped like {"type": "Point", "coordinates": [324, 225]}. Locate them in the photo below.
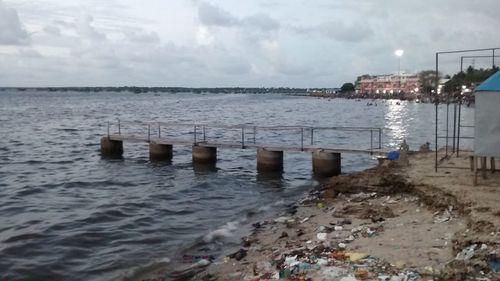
{"type": "Point", "coordinates": [225, 231]}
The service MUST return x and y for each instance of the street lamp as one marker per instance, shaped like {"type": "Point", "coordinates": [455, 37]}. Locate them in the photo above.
{"type": "Point", "coordinates": [399, 53]}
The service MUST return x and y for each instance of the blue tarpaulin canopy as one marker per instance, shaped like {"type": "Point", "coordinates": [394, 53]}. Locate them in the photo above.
{"type": "Point", "coordinates": [491, 84]}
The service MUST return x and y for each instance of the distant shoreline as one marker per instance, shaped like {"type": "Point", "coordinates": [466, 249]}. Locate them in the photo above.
{"type": "Point", "coordinates": [138, 90]}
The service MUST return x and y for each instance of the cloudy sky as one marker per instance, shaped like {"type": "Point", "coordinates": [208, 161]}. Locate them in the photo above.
{"type": "Point", "coordinates": [254, 43]}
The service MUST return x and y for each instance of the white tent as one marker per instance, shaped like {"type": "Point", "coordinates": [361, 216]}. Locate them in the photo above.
{"type": "Point", "coordinates": [487, 123]}
{"type": "Point", "coordinates": [487, 118]}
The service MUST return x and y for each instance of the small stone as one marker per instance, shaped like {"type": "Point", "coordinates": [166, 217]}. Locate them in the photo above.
{"type": "Point", "coordinates": [239, 255]}
{"type": "Point", "coordinates": [349, 239]}
{"type": "Point", "coordinates": [283, 235]}
{"type": "Point", "coordinates": [346, 221]}
{"type": "Point", "coordinates": [321, 236]}
{"type": "Point", "coordinates": [361, 273]}
{"type": "Point", "coordinates": [400, 264]}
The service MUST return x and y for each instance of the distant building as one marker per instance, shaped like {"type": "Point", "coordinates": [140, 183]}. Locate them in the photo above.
{"type": "Point", "coordinates": [386, 85]}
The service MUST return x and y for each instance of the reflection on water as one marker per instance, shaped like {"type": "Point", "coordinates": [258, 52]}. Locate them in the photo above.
{"type": "Point", "coordinates": [396, 122]}
{"type": "Point", "coordinates": [273, 179]}
{"type": "Point", "coordinates": [204, 168]}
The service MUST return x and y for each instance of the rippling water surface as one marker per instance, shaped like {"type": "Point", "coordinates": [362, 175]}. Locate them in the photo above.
{"type": "Point", "coordinates": [67, 214]}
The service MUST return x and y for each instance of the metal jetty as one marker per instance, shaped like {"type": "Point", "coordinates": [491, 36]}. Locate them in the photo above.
{"type": "Point", "coordinates": [269, 141]}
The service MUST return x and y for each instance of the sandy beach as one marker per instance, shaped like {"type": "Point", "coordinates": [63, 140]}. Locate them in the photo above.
{"type": "Point", "coordinates": [391, 222]}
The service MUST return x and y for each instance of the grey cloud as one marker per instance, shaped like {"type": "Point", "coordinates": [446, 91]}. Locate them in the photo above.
{"type": "Point", "coordinates": [337, 30]}
{"type": "Point", "coordinates": [65, 24]}
{"type": "Point", "coordinates": [12, 31]}
{"type": "Point", "coordinates": [212, 15]}
{"type": "Point", "coordinates": [142, 36]}
{"type": "Point", "coordinates": [85, 28]}
{"type": "Point", "coordinates": [262, 21]}
{"type": "Point", "coordinates": [232, 65]}
{"type": "Point", "coordinates": [292, 69]}
{"type": "Point", "coordinates": [29, 53]}
{"type": "Point", "coordinates": [52, 30]}
{"type": "Point", "coordinates": [341, 31]}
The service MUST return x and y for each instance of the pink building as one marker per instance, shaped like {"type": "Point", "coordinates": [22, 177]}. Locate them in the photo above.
{"type": "Point", "coordinates": [386, 85]}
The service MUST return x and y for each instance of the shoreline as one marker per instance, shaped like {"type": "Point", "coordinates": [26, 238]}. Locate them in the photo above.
{"type": "Point", "coordinates": [391, 222]}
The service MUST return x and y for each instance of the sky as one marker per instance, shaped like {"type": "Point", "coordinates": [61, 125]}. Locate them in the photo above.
{"type": "Point", "coordinates": [229, 43]}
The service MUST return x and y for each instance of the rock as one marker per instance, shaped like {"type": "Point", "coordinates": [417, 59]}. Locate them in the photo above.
{"type": "Point", "coordinates": [354, 257]}
{"type": "Point", "coordinates": [322, 262]}
{"type": "Point", "coordinates": [187, 273]}
{"type": "Point", "coordinates": [377, 219]}
{"type": "Point", "coordinates": [349, 278]}
{"type": "Point", "coordinates": [283, 235]}
{"type": "Point", "coordinates": [400, 264]}
{"type": "Point", "coordinates": [321, 236]}
{"type": "Point", "coordinates": [246, 242]}
{"type": "Point", "coordinates": [329, 273]}
{"type": "Point", "coordinates": [349, 239]}
{"type": "Point", "coordinates": [239, 255]}
{"type": "Point", "coordinates": [345, 221]}
{"type": "Point", "coordinates": [466, 254]}
{"type": "Point", "coordinates": [282, 219]}
{"type": "Point", "coordinates": [425, 147]}
{"type": "Point", "coordinates": [361, 273]}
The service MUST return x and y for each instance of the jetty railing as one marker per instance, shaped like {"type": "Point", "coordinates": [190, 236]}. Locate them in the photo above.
{"type": "Point", "coordinates": [299, 138]}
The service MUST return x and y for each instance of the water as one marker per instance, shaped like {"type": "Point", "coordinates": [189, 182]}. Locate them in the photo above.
{"type": "Point", "coordinates": [68, 214]}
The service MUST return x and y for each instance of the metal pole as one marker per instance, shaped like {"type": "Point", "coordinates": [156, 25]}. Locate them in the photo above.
{"type": "Point", "coordinates": [204, 134]}
{"type": "Point", "coordinates": [108, 129]}
{"type": "Point", "coordinates": [194, 134]}
{"type": "Point", "coordinates": [254, 134]}
{"type": "Point", "coordinates": [119, 127]}
{"type": "Point", "coordinates": [312, 135]}
{"type": "Point", "coordinates": [462, 64]}
{"type": "Point", "coordinates": [302, 138]}
{"type": "Point", "coordinates": [242, 137]}
{"type": "Point", "coordinates": [159, 131]}
{"type": "Point", "coordinates": [149, 132]}
{"type": "Point", "coordinates": [454, 125]}
{"type": "Point", "coordinates": [379, 138]}
{"type": "Point", "coordinates": [447, 120]}
{"type": "Point", "coordinates": [436, 101]}
{"type": "Point", "coordinates": [493, 58]}
{"type": "Point", "coordinates": [458, 127]}
{"type": "Point", "coordinates": [371, 139]}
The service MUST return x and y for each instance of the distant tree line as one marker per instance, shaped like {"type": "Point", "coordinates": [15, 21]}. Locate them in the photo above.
{"type": "Point", "coordinates": [470, 79]}
{"type": "Point", "coordinates": [138, 90]}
